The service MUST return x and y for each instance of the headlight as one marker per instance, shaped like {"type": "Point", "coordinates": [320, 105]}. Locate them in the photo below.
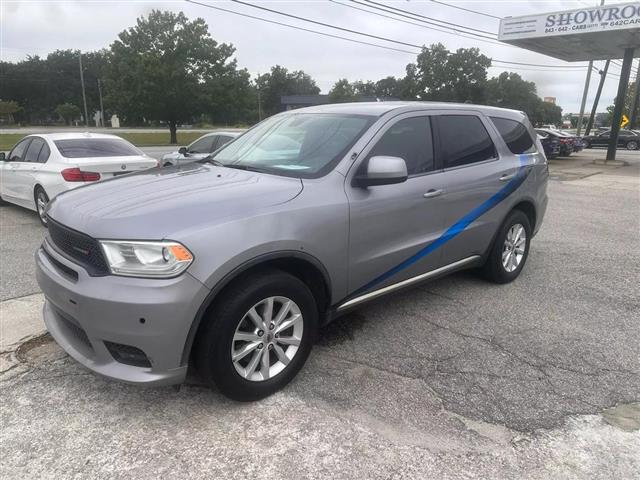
{"type": "Point", "coordinates": [146, 259]}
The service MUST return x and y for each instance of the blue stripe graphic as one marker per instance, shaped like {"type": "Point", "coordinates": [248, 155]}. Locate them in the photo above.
{"type": "Point", "coordinates": [457, 227]}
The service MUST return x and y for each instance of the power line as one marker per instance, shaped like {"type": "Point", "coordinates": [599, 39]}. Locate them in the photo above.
{"type": "Point", "coordinates": [301, 28]}
{"type": "Point", "coordinates": [466, 9]}
{"type": "Point", "coordinates": [422, 25]}
{"type": "Point", "coordinates": [377, 37]}
{"type": "Point", "coordinates": [380, 6]}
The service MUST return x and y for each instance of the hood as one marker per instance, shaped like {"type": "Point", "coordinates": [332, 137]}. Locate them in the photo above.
{"type": "Point", "coordinates": [156, 203]}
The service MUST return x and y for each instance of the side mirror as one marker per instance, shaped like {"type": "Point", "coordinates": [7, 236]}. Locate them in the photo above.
{"type": "Point", "coordinates": [382, 170]}
{"type": "Point", "coordinates": [183, 151]}
{"type": "Point", "coordinates": [3, 157]}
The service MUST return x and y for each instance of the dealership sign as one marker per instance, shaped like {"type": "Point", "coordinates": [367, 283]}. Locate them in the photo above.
{"type": "Point", "coordinates": [582, 34]}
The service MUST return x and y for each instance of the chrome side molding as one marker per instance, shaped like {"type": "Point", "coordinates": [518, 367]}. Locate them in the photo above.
{"type": "Point", "coordinates": [409, 281]}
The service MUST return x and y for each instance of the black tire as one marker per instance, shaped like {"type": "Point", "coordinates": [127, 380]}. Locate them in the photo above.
{"type": "Point", "coordinates": [212, 349]}
{"type": "Point", "coordinates": [167, 164]}
{"type": "Point", "coordinates": [493, 269]}
{"type": "Point", "coordinates": [587, 145]}
{"type": "Point", "coordinates": [39, 193]}
{"type": "Point", "coordinates": [632, 145]}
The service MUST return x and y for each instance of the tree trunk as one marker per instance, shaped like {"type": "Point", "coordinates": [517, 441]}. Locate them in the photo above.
{"type": "Point", "coordinates": [172, 131]}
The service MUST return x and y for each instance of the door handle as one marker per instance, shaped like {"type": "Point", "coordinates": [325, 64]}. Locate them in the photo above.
{"type": "Point", "coordinates": [432, 193]}
{"type": "Point", "coordinates": [507, 176]}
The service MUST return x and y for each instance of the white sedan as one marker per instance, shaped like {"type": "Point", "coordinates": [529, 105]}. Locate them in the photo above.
{"type": "Point", "coordinates": [39, 167]}
{"type": "Point", "coordinates": [199, 149]}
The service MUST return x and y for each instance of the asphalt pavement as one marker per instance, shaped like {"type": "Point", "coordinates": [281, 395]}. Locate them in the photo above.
{"type": "Point", "coordinates": [539, 378]}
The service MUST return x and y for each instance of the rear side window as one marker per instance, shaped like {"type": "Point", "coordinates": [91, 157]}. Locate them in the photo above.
{"type": "Point", "coordinates": [464, 140]}
{"type": "Point", "coordinates": [222, 140]}
{"type": "Point", "coordinates": [44, 154]}
{"type": "Point", "coordinates": [95, 147]}
{"type": "Point", "coordinates": [515, 135]}
{"type": "Point", "coordinates": [34, 150]}
{"type": "Point", "coordinates": [411, 140]}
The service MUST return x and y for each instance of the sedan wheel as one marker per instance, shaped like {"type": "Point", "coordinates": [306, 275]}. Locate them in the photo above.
{"type": "Point", "coordinates": [42, 200]}
{"type": "Point", "coordinates": [632, 145]}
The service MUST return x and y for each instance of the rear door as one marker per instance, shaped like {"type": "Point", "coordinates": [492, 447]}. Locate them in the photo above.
{"type": "Point", "coordinates": [391, 226]}
{"type": "Point", "coordinates": [474, 175]}
{"type": "Point", "coordinates": [30, 169]}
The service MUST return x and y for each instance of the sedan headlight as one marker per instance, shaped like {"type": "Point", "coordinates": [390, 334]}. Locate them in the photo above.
{"type": "Point", "coordinates": [146, 259]}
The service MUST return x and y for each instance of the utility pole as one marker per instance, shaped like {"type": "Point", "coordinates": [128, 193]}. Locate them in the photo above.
{"type": "Point", "coordinates": [584, 97]}
{"type": "Point", "coordinates": [633, 123]}
{"type": "Point", "coordinates": [84, 96]}
{"type": "Point", "coordinates": [259, 107]}
{"type": "Point", "coordinates": [586, 91]}
{"type": "Point", "coordinates": [619, 105]}
{"type": "Point", "coordinates": [101, 107]}
{"type": "Point", "coordinates": [603, 76]}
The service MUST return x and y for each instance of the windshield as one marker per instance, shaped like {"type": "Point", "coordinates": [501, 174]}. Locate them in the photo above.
{"type": "Point", "coordinates": [300, 144]}
{"type": "Point", "coordinates": [96, 147]}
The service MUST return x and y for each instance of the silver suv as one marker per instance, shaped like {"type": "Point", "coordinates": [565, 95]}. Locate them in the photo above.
{"type": "Point", "coordinates": [237, 260]}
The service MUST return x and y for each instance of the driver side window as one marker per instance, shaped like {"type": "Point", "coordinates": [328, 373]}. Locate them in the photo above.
{"type": "Point", "coordinates": [411, 140]}
{"type": "Point", "coordinates": [17, 154]}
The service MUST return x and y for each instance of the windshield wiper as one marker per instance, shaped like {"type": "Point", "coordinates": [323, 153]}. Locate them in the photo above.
{"type": "Point", "coordinates": [248, 168]}
{"type": "Point", "coordinates": [213, 161]}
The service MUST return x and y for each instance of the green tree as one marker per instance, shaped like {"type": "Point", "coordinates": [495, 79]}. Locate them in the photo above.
{"type": "Point", "coordinates": [389, 87]}
{"type": "Point", "coordinates": [342, 91]}
{"type": "Point", "coordinates": [278, 82]}
{"type": "Point", "coordinates": [68, 112]}
{"type": "Point", "coordinates": [628, 104]}
{"type": "Point", "coordinates": [8, 109]}
{"type": "Point", "coordinates": [441, 75]}
{"type": "Point", "coordinates": [159, 66]}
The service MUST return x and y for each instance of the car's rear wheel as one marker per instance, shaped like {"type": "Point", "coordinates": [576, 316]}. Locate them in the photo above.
{"type": "Point", "coordinates": [42, 199]}
{"type": "Point", "coordinates": [632, 145]}
{"type": "Point", "coordinates": [510, 249]}
{"type": "Point", "coordinates": [257, 338]}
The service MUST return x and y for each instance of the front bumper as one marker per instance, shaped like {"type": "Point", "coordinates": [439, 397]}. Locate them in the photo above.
{"type": "Point", "coordinates": [87, 316]}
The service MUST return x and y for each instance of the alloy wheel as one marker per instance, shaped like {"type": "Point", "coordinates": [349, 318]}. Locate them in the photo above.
{"type": "Point", "coordinates": [513, 249]}
{"type": "Point", "coordinates": [41, 205]}
{"type": "Point", "coordinates": [267, 338]}
{"type": "Point", "coordinates": [632, 145]}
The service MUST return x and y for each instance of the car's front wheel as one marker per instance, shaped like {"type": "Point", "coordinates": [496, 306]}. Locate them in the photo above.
{"type": "Point", "coordinates": [258, 336]}
{"type": "Point", "coordinates": [510, 249]}
{"type": "Point", "coordinates": [42, 199]}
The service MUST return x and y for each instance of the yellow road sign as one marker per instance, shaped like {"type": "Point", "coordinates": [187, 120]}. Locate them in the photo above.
{"type": "Point", "coordinates": [625, 121]}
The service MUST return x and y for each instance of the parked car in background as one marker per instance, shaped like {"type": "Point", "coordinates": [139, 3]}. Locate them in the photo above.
{"type": "Point", "coordinates": [39, 167]}
{"type": "Point", "coordinates": [550, 144]}
{"type": "Point", "coordinates": [577, 142]}
{"type": "Point", "coordinates": [566, 144]}
{"type": "Point", "coordinates": [626, 139]}
{"type": "Point", "coordinates": [237, 260]}
{"type": "Point", "coordinates": [199, 149]}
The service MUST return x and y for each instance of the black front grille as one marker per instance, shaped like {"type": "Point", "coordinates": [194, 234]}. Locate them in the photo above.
{"type": "Point", "coordinates": [79, 247]}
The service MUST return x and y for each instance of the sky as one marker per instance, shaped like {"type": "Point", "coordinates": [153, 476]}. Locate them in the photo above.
{"type": "Point", "coordinates": [31, 27]}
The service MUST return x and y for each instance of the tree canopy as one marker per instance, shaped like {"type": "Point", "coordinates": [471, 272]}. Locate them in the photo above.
{"type": "Point", "coordinates": [158, 68]}
{"type": "Point", "coordinates": [278, 82]}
